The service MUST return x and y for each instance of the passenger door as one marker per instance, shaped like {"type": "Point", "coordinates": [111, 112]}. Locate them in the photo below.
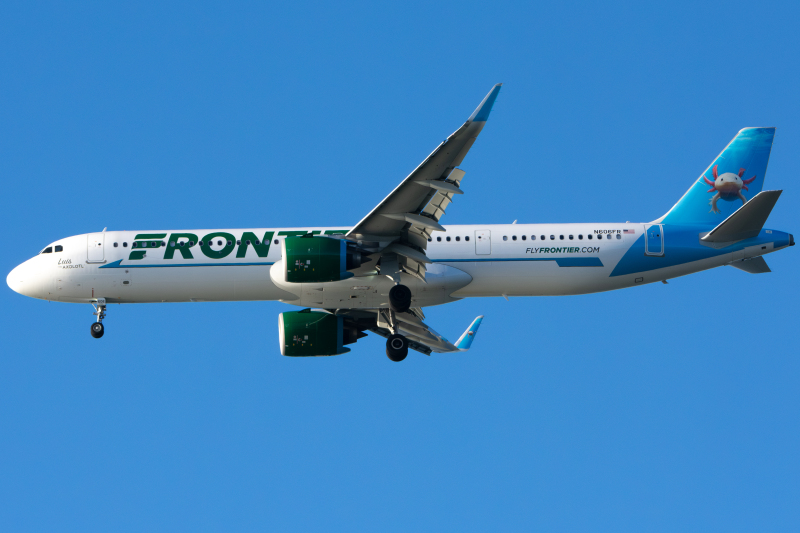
{"type": "Point", "coordinates": [483, 242]}
{"type": "Point", "coordinates": [654, 239]}
{"type": "Point", "coordinates": [95, 245]}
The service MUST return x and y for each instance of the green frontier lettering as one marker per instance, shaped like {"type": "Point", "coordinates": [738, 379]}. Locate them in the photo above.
{"type": "Point", "coordinates": [228, 244]}
{"type": "Point", "coordinates": [145, 240]}
{"type": "Point", "coordinates": [182, 242]}
{"type": "Point", "coordinates": [175, 243]}
{"type": "Point", "coordinates": [248, 238]}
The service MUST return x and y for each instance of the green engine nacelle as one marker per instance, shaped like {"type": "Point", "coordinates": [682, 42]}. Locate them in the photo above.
{"type": "Point", "coordinates": [310, 333]}
{"type": "Point", "coordinates": [311, 259]}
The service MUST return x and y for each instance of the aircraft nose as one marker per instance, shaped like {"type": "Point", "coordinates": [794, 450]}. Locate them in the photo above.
{"type": "Point", "coordinates": [25, 280]}
{"type": "Point", "coordinates": [16, 280]}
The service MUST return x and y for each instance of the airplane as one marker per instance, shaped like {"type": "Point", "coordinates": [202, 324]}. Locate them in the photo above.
{"type": "Point", "coordinates": [378, 275]}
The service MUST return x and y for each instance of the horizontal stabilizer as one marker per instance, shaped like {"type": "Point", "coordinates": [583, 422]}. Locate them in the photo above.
{"type": "Point", "coordinates": [756, 265]}
{"type": "Point", "coordinates": [747, 221]}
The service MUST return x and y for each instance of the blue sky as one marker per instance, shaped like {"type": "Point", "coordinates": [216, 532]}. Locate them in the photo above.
{"type": "Point", "coordinates": [661, 408]}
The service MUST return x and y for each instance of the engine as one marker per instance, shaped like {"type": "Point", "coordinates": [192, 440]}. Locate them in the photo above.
{"type": "Point", "coordinates": [312, 259]}
{"type": "Point", "coordinates": [311, 333]}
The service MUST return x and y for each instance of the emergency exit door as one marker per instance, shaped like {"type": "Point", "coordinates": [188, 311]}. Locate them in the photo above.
{"type": "Point", "coordinates": [654, 239]}
{"type": "Point", "coordinates": [95, 245]}
{"type": "Point", "coordinates": [483, 242]}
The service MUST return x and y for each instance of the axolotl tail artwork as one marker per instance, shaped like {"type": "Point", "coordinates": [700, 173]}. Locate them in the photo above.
{"type": "Point", "coordinates": [728, 186]}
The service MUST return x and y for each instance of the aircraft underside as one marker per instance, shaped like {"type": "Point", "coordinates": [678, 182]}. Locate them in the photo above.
{"type": "Point", "coordinates": [378, 275]}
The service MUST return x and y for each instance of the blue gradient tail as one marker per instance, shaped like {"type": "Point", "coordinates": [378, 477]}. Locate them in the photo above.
{"type": "Point", "coordinates": [735, 176]}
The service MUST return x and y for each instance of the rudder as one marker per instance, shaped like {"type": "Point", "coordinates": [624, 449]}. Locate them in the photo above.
{"type": "Point", "coordinates": [735, 176]}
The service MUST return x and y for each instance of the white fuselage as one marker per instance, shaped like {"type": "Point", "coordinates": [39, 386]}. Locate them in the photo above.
{"type": "Point", "coordinates": [478, 260]}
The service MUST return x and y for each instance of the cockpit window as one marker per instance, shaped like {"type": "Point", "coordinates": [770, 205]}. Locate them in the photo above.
{"type": "Point", "coordinates": [47, 250]}
{"type": "Point", "coordinates": [59, 248]}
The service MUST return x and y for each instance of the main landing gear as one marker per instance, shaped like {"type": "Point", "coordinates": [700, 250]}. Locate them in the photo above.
{"type": "Point", "coordinates": [400, 298]}
{"type": "Point", "coordinates": [399, 302]}
{"type": "Point", "coordinates": [99, 311]}
{"type": "Point", "coordinates": [396, 347]}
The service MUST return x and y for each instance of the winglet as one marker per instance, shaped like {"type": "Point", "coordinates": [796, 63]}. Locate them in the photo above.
{"type": "Point", "coordinates": [465, 341]}
{"type": "Point", "coordinates": [482, 113]}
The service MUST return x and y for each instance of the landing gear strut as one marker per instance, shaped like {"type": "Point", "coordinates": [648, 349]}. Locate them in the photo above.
{"type": "Point", "coordinates": [396, 347]}
{"type": "Point", "coordinates": [99, 311]}
{"type": "Point", "coordinates": [399, 298]}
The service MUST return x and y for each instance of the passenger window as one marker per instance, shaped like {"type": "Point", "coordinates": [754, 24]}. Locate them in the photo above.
{"type": "Point", "coordinates": [200, 243]}
{"type": "Point", "coordinates": [608, 236]}
{"type": "Point", "coordinates": [589, 236]}
{"type": "Point", "coordinates": [561, 237]}
{"type": "Point", "coordinates": [115, 245]}
{"type": "Point", "coordinates": [552, 237]}
{"type": "Point", "coordinates": [48, 250]}
{"type": "Point", "coordinates": [533, 237]}
{"type": "Point", "coordinates": [258, 242]}
{"type": "Point", "coordinates": [229, 243]}
{"type": "Point", "coordinates": [524, 237]}
{"type": "Point", "coordinates": [619, 236]}
{"type": "Point", "coordinates": [505, 237]}
{"type": "Point", "coordinates": [580, 237]}
{"type": "Point", "coordinates": [276, 241]}
{"type": "Point", "coordinates": [542, 237]}
{"type": "Point", "coordinates": [570, 237]}
{"type": "Point", "coordinates": [60, 248]}
{"type": "Point", "coordinates": [246, 242]}
{"type": "Point", "coordinates": [191, 243]}
{"type": "Point", "coordinates": [430, 240]}
{"type": "Point", "coordinates": [448, 239]}
{"type": "Point", "coordinates": [438, 239]}
{"type": "Point", "coordinates": [219, 243]}
{"type": "Point", "coordinates": [466, 238]}
{"type": "Point", "coordinates": [513, 237]}
{"type": "Point", "coordinates": [125, 244]}
{"type": "Point", "coordinates": [458, 238]}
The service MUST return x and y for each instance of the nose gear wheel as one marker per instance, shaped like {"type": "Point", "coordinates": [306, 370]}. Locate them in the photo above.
{"type": "Point", "coordinates": [97, 330]}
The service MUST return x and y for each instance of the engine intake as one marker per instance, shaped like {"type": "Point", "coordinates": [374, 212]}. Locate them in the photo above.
{"type": "Point", "coordinates": [312, 259]}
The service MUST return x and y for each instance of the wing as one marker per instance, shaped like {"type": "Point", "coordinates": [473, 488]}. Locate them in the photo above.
{"type": "Point", "coordinates": [404, 221]}
{"type": "Point", "coordinates": [420, 336]}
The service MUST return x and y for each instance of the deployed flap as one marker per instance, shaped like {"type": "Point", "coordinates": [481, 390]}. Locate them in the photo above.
{"type": "Point", "coordinates": [747, 221]}
{"type": "Point", "coordinates": [420, 336]}
{"type": "Point", "coordinates": [756, 265]}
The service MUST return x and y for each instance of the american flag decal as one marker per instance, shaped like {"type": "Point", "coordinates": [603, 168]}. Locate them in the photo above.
{"type": "Point", "coordinates": [629, 231]}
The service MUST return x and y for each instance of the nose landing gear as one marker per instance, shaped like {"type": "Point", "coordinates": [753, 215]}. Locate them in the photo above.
{"type": "Point", "coordinates": [99, 311]}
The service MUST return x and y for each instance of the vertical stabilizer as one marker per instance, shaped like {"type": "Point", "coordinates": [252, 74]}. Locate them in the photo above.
{"type": "Point", "coordinates": [735, 176]}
